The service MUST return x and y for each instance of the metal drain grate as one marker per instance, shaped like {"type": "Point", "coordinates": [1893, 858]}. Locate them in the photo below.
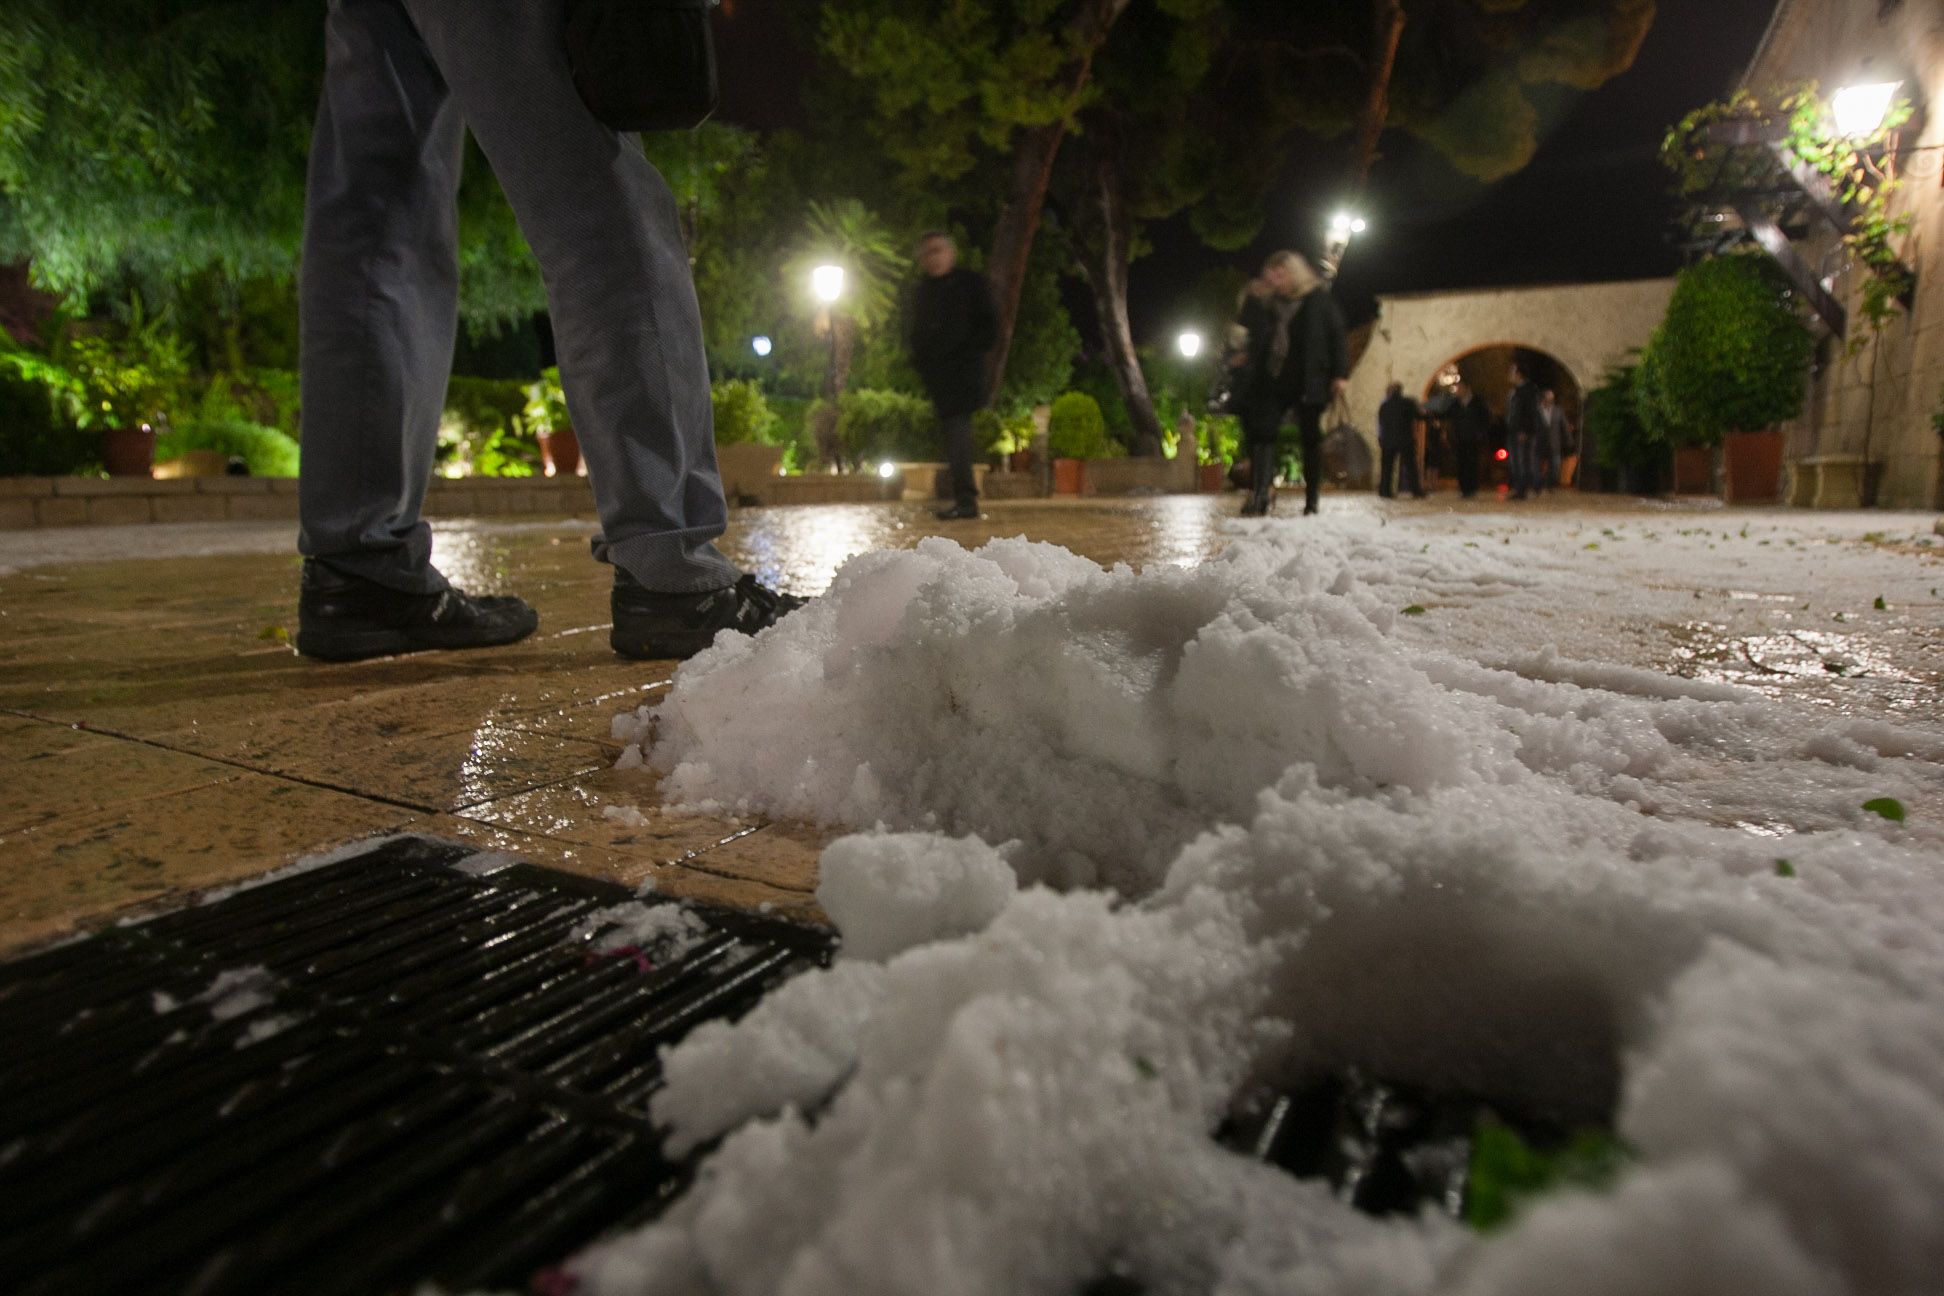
{"type": "Point", "coordinates": [439, 1088]}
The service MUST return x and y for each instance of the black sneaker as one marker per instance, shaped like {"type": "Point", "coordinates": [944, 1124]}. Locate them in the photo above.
{"type": "Point", "coordinates": [960, 513]}
{"type": "Point", "coordinates": [348, 618]}
{"type": "Point", "coordinates": [673, 627]}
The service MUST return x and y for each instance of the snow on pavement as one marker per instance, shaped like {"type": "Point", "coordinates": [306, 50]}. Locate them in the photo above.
{"type": "Point", "coordinates": [1435, 797]}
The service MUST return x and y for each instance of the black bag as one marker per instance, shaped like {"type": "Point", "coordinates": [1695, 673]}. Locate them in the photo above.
{"type": "Point", "coordinates": [643, 64]}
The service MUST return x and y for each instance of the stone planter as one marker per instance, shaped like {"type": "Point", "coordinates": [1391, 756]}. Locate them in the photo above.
{"type": "Point", "coordinates": [1069, 476]}
{"type": "Point", "coordinates": [128, 452]}
{"type": "Point", "coordinates": [748, 470]}
{"type": "Point", "coordinates": [560, 453]}
{"type": "Point", "coordinates": [1754, 467]}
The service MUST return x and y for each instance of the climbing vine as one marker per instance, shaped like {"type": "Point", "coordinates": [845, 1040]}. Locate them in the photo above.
{"type": "Point", "coordinates": [1851, 164]}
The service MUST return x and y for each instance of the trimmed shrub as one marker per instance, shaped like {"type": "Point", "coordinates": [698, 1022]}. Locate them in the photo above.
{"type": "Point", "coordinates": [873, 426]}
{"type": "Point", "coordinates": [37, 437]}
{"type": "Point", "coordinates": [1077, 430]}
{"type": "Point", "coordinates": [268, 452]}
{"type": "Point", "coordinates": [1731, 355]}
{"type": "Point", "coordinates": [743, 414]}
{"type": "Point", "coordinates": [1617, 435]}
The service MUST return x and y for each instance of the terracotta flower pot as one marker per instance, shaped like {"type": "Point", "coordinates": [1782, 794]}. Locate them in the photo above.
{"type": "Point", "coordinates": [1069, 476]}
{"type": "Point", "coordinates": [1022, 461]}
{"type": "Point", "coordinates": [1754, 467]}
{"type": "Point", "coordinates": [560, 453]}
{"type": "Point", "coordinates": [1212, 477]}
{"type": "Point", "coordinates": [128, 452]}
{"type": "Point", "coordinates": [1693, 470]}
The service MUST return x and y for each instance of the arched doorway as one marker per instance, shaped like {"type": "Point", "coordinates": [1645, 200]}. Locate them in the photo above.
{"type": "Point", "coordinates": [1487, 368]}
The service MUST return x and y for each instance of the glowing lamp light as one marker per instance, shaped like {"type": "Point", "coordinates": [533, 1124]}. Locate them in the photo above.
{"type": "Point", "coordinates": [887, 469]}
{"type": "Point", "coordinates": [1344, 224]}
{"type": "Point", "coordinates": [1502, 455]}
{"type": "Point", "coordinates": [760, 345]}
{"type": "Point", "coordinates": [827, 282]}
{"type": "Point", "coordinates": [1860, 109]}
{"type": "Point", "coordinates": [1189, 344]}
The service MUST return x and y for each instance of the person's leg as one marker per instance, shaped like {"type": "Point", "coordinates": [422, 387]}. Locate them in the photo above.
{"type": "Point", "coordinates": [1262, 477]}
{"type": "Point", "coordinates": [1386, 458]}
{"type": "Point", "coordinates": [378, 297]}
{"type": "Point", "coordinates": [958, 454]}
{"type": "Point", "coordinates": [603, 225]}
{"type": "Point", "coordinates": [1408, 481]}
{"type": "Point", "coordinates": [1309, 419]}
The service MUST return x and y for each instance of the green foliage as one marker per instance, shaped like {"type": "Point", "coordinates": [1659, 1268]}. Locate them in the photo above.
{"type": "Point", "coordinates": [1888, 807]}
{"type": "Point", "coordinates": [543, 409]}
{"type": "Point", "coordinates": [742, 413]}
{"type": "Point", "coordinates": [267, 452]}
{"type": "Point", "coordinates": [1937, 416]}
{"type": "Point", "coordinates": [117, 374]}
{"type": "Point", "coordinates": [1002, 434]}
{"type": "Point", "coordinates": [486, 431]}
{"type": "Point", "coordinates": [1506, 1172]}
{"type": "Point", "coordinates": [1218, 438]}
{"type": "Point", "coordinates": [793, 431]}
{"type": "Point", "coordinates": [1863, 188]}
{"type": "Point", "coordinates": [874, 426]}
{"type": "Point", "coordinates": [1619, 437]}
{"type": "Point", "coordinates": [37, 434]}
{"type": "Point", "coordinates": [1044, 343]}
{"type": "Point", "coordinates": [1077, 430]}
{"type": "Point", "coordinates": [1731, 354]}
{"type": "Point", "coordinates": [156, 142]}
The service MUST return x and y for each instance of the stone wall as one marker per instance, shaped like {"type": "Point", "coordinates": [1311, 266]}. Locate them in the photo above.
{"type": "Point", "coordinates": [1878, 402]}
{"type": "Point", "coordinates": [1585, 327]}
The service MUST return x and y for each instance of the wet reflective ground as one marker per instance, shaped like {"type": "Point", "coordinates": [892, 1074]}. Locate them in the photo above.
{"type": "Point", "coordinates": [157, 734]}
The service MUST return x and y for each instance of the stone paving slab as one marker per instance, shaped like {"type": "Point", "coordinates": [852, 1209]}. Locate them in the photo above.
{"type": "Point", "coordinates": [157, 733]}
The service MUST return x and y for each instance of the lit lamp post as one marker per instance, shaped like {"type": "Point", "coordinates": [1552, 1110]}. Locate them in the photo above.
{"type": "Point", "coordinates": [760, 344]}
{"type": "Point", "coordinates": [1343, 227]}
{"type": "Point", "coordinates": [827, 285]}
{"type": "Point", "coordinates": [1858, 111]}
{"type": "Point", "coordinates": [1189, 343]}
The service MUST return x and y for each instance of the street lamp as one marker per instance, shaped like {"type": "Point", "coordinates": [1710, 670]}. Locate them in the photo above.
{"type": "Point", "coordinates": [1343, 226]}
{"type": "Point", "coordinates": [760, 344]}
{"type": "Point", "coordinates": [1859, 110]}
{"type": "Point", "coordinates": [1189, 343]}
{"type": "Point", "coordinates": [827, 282]}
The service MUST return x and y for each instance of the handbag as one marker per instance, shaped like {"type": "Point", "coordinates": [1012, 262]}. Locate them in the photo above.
{"type": "Point", "coordinates": [643, 65]}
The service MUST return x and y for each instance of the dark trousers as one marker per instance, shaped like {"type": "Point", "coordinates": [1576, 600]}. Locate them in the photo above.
{"type": "Point", "coordinates": [1464, 453]}
{"type": "Point", "coordinates": [1309, 422]}
{"type": "Point", "coordinates": [958, 456]}
{"type": "Point", "coordinates": [1261, 420]}
{"type": "Point", "coordinates": [1404, 460]}
{"type": "Point", "coordinates": [1522, 464]}
{"type": "Point", "coordinates": [404, 80]}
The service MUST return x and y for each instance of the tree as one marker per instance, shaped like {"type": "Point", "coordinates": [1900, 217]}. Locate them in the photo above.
{"type": "Point", "coordinates": [1731, 354]}
{"type": "Point", "coordinates": [987, 84]}
{"type": "Point", "coordinates": [144, 143]}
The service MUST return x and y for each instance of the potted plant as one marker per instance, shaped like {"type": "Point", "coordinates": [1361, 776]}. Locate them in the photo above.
{"type": "Point", "coordinates": [1616, 435]}
{"type": "Point", "coordinates": [1728, 363]}
{"type": "Point", "coordinates": [1075, 433]}
{"type": "Point", "coordinates": [547, 418]}
{"type": "Point", "coordinates": [1216, 445]}
{"type": "Point", "coordinates": [118, 385]}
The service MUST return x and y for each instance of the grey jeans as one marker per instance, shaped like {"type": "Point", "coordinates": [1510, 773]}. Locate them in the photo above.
{"type": "Point", "coordinates": [404, 80]}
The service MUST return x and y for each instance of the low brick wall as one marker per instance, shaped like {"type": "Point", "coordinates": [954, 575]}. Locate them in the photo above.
{"type": "Point", "coordinates": [28, 502]}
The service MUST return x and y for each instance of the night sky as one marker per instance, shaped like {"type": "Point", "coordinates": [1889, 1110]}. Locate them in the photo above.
{"type": "Point", "coordinates": [1592, 205]}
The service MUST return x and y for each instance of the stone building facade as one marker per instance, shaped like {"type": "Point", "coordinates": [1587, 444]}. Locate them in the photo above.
{"type": "Point", "coordinates": [1876, 405]}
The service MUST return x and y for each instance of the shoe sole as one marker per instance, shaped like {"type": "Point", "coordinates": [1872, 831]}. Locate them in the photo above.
{"type": "Point", "coordinates": [678, 647]}
{"type": "Point", "coordinates": [341, 645]}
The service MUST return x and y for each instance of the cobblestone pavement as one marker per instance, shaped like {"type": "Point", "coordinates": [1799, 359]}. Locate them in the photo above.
{"type": "Point", "coordinates": [158, 735]}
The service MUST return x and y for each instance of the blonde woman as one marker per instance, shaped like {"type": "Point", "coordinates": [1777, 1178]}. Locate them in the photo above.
{"type": "Point", "coordinates": [1298, 358]}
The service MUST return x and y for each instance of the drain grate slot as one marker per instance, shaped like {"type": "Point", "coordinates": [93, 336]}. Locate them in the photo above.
{"type": "Point", "coordinates": [437, 1085]}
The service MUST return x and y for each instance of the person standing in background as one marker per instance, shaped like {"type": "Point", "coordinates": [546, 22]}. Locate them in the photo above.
{"type": "Point", "coordinates": [1397, 420]}
{"type": "Point", "coordinates": [1523, 434]}
{"type": "Point", "coordinates": [953, 328]}
{"type": "Point", "coordinates": [1317, 368]}
{"type": "Point", "coordinates": [1469, 426]}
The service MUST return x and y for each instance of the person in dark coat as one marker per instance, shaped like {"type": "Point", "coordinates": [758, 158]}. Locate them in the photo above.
{"type": "Point", "coordinates": [1317, 368]}
{"type": "Point", "coordinates": [1397, 420]}
{"type": "Point", "coordinates": [1261, 317]}
{"type": "Point", "coordinates": [953, 329]}
{"type": "Point", "coordinates": [1525, 434]}
{"type": "Point", "coordinates": [1468, 427]}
